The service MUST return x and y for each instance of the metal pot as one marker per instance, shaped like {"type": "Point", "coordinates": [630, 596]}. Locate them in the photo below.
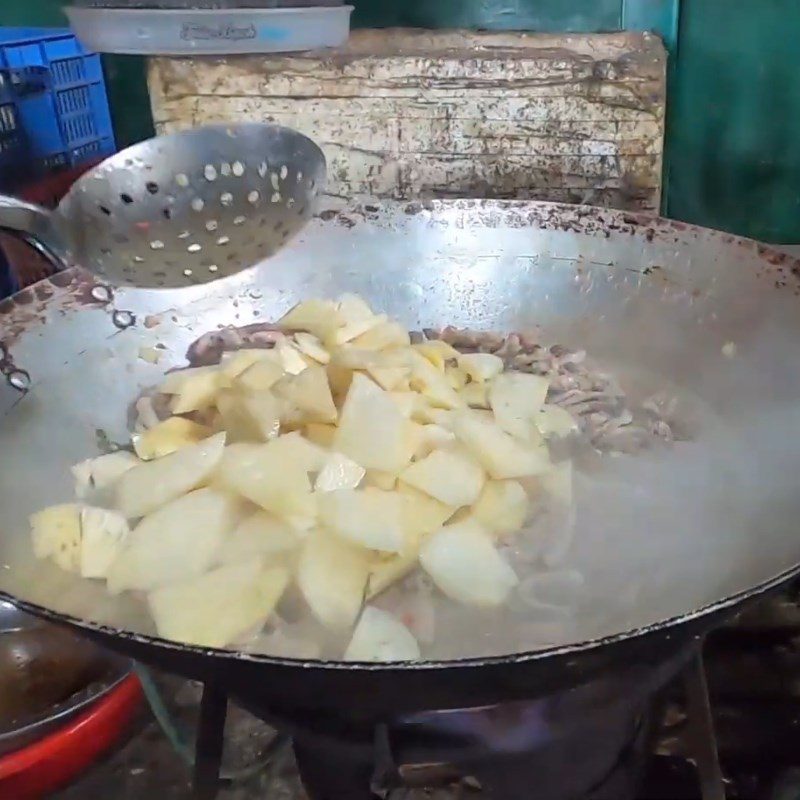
{"type": "Point", "coordinates": [48, 675]}
{"type": "Point", "coordinates": [702, 309]}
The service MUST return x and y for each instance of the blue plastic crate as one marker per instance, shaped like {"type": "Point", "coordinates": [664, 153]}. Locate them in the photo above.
{"type": "Point", "coordinates": [13, 142]}
{"type": "Point", "coordinates": [60, 96]}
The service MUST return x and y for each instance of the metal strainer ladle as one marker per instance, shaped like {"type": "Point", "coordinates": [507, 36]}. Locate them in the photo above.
{"type": "Point", "coordinates": [181, 209]}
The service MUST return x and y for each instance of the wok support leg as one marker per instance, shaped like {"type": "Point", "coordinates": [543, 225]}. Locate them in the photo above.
{"type": "Point", "coordinates": [209, 742]}
{"type": "Point", "coordinates": [703, 741]}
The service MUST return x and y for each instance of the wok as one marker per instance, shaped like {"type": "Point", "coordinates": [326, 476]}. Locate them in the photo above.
{"type": "Point", "coordinates": [705, 310]}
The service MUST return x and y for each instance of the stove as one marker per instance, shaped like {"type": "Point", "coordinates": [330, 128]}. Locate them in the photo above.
{"type": "Point", "coordinates": [639, 735]}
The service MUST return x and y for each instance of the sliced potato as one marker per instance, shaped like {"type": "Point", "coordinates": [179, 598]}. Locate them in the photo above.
{"type": "Point", "coordinates": [261, 376]}
{"type": "Point", "coordinates": [103, 537]}
{"type": "Point", "coordinates": [381, 637]}
{"type": "Point", "coordinates": [274, 478]}
{"type": "Point", "coordinates": [515, 398]}
{"type": "Point", "coordinates": [433, 384]}
{"type": "Point", "coordinates": [320, 317]}
{"type": "Point", "coordinates": [339, 472]}
{"type": "Point", "coordinates": [383, 336]}
{"type": "Point", "coordinates": [481, 367]}
{"type": "Point", "coordinates": [292, 418]}
{"type": "Point", "coordinates": [462, 561]}
{"type": "Point", "coordinates": [309, 345]}
{"type": "Point", "coordinates": [476, 395]}
{"type": "Point", "coordinates": [358, 319]}
{"type": "Point", "coordinates": [369, 517]}
{"type": "Point", "coordinates": [305, 515]}
{"type": "Point", "coordinates": [238, 362]}
{"type": "Point", "coordinates": [462, 515]}
{"type": "Point", "coordinates": [320, 434]}
{"type": "Point", "coordinates": [372, 431]}
{"type": "Point", "coordinates": [352, 330]}
{"type": "Point", "coordinates": [553, 420]}
{"type": "Point", "coordinates": [339, 378]}
{"type": "Point", "coordinates": [294, 448]}
{"type": "Point", "coordinates": [427, 414]}
{"type": "Point", "coordinates": [168, 436]}
{"type": "Point", "coordinates": [450, 476]}
{"type": "Point", "coordinates": [437, 352]}
{"type": "Point", "coordinates": [175, 382]}
{"type": "Point", "coordinates": [380, 480]}
{"type": "Point", "coordinates": [56, 534]}
{"type": "Point", "coordinates": [177, 541]}
{"type": "Point", "coordinates": [216, 609]}
{"type": "Point", "coordinates": [96, 474]}
{"type": "Point", "coordinates": [332, 577]}
{"type": "Point", "coordinates": [388, 568]}
{"type": "Point", "coordinates": [501, 455]}
{"type": "Point", "coordinates": [259, 535]}
{"type": "Point", "coordinates": [502, 507]}
{"type": "Point", "coordinates": [389, 378]}
{"type": "Point", "coordinates": [310, 392]}
{"type": "Point", "coordinates": [423, 513]}
{"type": "Point", "coordinates": [353, 308]}
{"type": "Point", "coordinates": [292, 360]}
{"type": "Point", "coordinates": [192, 389]}
{"type": "Point", "coordinates": [153, 484]}
{"type": "Point", "coordinates": [413, 437]}
{"type": "Point", "coordinates": [79, 538]}
{"type": "Point", "coordinates": [249, 416]}
{"type": "Point", "coordinates": [432, 437]}
{"type": "Point", "coordinates": [456, 377]}
{"type": "Point", "coordinates": [406, 402]}
{"type": "Point", "coordinates": [354, 358]}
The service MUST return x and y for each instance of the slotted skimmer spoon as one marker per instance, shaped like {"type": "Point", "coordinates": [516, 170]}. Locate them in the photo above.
{"type": "Point", "coordinates": [182, 209]}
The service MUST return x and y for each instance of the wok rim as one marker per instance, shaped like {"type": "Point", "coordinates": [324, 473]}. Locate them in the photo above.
{"type": "Point", "coordinates": [521, 658]}
{"type": "Point", "coordinates": [592, 221]}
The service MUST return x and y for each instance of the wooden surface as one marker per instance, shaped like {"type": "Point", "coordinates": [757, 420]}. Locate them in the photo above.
{"type": "Point", "coordinates": [405, 114]}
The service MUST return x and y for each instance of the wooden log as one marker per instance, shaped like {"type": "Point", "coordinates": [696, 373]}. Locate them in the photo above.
{"type": "Point", "coordinates": [404, 114]}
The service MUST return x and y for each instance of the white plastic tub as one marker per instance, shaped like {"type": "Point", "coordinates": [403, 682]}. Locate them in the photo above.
{"type": "Point", "coordinates": [181, 32]}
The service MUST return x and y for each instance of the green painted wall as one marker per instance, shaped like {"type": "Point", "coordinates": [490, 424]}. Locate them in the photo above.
{"type": "Point", "coordinates": [550, 15]}
{"type": "Point", "coordinates": [734, 127]}
{"type": "Point", "coordinates": [733, 134]}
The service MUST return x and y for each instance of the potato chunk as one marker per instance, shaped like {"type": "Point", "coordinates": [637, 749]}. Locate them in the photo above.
{"type": "Point", "coordinates": [369, 517]}
{"type": "Point", "coordinates": [381, 637]}
{"type": "Point", "coordinates": [310, 392]}
{"type": "Point", "coordinates": [462, 560]}
{"type": "Point", "coordinates": [168, 436]}
{"type": "Point", "coordinates": [275, 478]}
{"type": "Point", "coordinates": [178, 541]}
{"type": "Point", "coordinates": [372, 430]}
{"type": "Point", "coordinates": [216, 609]}
{"type": "Point", "coordinates": [516, 398]}
{"type": "Point", "coordinates": [152, 484]}
{"type": "Point", "coordinates": [450, 476]}
{"type": "Point", "coordinates": [502, 507]}
{"type": "Point", "coordinates": [501, 455]}
{"type": "Point", "coordinates": [332, 576]}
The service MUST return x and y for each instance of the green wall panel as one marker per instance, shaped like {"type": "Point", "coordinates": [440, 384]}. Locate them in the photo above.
{"type": "Point", "coordinates": [734, 125]}
{"type": "Point", "coordinates": [544, 15]}
{"type": "Point", "coordinates": [31, 12]}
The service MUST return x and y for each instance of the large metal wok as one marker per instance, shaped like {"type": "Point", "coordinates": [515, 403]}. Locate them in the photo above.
{"type": "Point", "coordinates": [706, 310]}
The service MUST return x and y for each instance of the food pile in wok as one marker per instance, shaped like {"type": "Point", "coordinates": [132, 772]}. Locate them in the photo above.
{"type": "Point", "coordinates": [303, 497]}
